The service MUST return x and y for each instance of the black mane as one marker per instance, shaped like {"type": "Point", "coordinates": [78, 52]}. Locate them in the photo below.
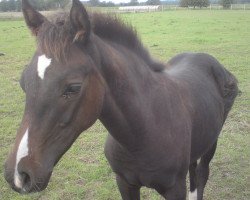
{"type": "Point", "coordinates": [55, 36]}
{"type": "Point", "coordinates": [113, 29]}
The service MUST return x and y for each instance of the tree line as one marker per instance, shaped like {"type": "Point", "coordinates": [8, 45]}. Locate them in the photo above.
{"type": "Point", "coordinates": [205, 3]}
{"type": "Point", "coordinates": [131, 3]}
{"type": "Point", "coordinates": [15, 5]}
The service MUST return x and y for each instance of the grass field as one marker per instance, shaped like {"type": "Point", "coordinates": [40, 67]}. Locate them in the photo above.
{"type": "Point", "coordinates": [83, 173]}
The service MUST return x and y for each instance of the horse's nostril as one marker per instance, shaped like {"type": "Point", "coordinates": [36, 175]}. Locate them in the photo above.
{"type": "Point", "coordinates": [26, 180]}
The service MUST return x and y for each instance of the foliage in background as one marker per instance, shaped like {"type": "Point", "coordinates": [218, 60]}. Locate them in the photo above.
{"type": "Point", "coordinates": [153, 2]}
{"type": "Point", "coordinates": [194, 3]}
{"type": "Point", "coordinates": [226, 3]}
{"type": "Point", "coordinates": [97, 3]}
{"type": "Point", "coordinates": [134, 2]}
{"type": "Point", "coordinates": [15, 5]}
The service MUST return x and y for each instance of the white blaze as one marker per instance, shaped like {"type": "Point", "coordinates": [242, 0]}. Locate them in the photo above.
{"type": "Point", "coordinates": [42, 65]}
{"type": "Point", "coordinates": [22, 152]}
{"type": "Point", "coordinates": [193, 195]}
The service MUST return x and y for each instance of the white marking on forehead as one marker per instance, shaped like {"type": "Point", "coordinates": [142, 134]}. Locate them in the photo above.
{"type": "Point", "coordinates": [193, 195]}
{"type": "Point", "coordinates": [22, 152]}
{"type": "Point", "coordinates": [42, 65]}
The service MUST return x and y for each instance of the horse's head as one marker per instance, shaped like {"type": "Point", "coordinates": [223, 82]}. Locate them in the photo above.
{"type": "Point", "coordinates": [64, 96]}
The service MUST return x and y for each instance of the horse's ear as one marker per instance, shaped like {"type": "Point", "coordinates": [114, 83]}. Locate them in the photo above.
{"type": "Point", "coordinates": [33, 19]}
{"type": "Point", "coordinates": [80, 22]}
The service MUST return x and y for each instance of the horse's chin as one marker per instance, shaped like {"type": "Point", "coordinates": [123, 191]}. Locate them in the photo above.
{"type": "Point", "coordinates": [33, 189]}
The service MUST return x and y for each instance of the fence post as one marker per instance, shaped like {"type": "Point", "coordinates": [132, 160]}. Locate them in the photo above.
{"type": "Point", "coordinates": [231, 6]}
{"type": "Point", "coordinates": [210, 6]}
{"type": "Point", "coordinates": [244, 6]}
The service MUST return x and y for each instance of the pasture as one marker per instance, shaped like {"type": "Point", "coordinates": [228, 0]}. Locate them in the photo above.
{"type": "Point", "coordinates": [83, 172]}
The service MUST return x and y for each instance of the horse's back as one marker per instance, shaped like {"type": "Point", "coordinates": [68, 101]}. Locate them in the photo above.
{"type": "Point", "coordinates": [211, 89]}
{"type": "Point", "coordinates": [203, 68]}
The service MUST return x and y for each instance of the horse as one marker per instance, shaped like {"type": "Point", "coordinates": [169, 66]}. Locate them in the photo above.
{"type": "Point", "coordinates": [163, 119]}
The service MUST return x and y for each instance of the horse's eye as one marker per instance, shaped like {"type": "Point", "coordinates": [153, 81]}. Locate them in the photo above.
{"type": "Point", "coordinates": [72, 89]}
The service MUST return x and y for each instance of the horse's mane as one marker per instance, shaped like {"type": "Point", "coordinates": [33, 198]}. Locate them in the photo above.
{"type": "Point", "coordinates": [55, 36]}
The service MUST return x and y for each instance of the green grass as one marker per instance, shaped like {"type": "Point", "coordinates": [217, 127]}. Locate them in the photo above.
{"type": "Point", "coordinates": [83, 173]}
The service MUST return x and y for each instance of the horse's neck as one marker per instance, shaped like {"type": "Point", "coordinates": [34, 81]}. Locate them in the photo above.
{"type": "Point", "coordinates": [126, 110]}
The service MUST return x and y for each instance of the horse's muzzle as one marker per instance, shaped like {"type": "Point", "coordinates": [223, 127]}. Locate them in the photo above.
{"type": "Point", "coordinates": [25, 181]}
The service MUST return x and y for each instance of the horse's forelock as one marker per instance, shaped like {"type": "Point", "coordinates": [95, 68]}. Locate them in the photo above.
{"type": "Point", "coordinates": [55, 37]}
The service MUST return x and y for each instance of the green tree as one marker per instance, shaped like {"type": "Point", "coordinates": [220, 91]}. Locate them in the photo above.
{"type": "Point", "coordinates": [226, 3]}
{"type": "Point", "coordinates": [94, 2]}
{"type": "Point", "coordinates": [61, 3]}
{"type": "Point", "coordinates": [133, 3]}
{"type": "Point", "coordinates": [106, 4]}
{"type": "Point", "coordinates": [194, 3]}
{"type": "Point", "coordinates": [38, 4]}
{"type": "Point", "coordinates": [201, 3]}
{"type": "Point", "coordinates": [184, 3]}
{"type": "Point", "coordinates": [49, 4]}
{"type": "Point", "coordinates": [153, 2]}
{"type": "Point", "coordinates": [3, 6]}
{"type": "Point", "coordinates": [19, 5]}
{"type": "Point", "coordinates": [12, 5]}
{"type": "Point", "coordinates": [7, 5]}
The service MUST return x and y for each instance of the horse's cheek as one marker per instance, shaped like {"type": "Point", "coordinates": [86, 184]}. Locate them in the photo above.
{"type": "Point", "coordinates": [91, 102]}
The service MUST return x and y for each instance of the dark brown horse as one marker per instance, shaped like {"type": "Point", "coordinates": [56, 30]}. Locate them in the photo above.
{"type": "Point", "coordinates": [162, 118]}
